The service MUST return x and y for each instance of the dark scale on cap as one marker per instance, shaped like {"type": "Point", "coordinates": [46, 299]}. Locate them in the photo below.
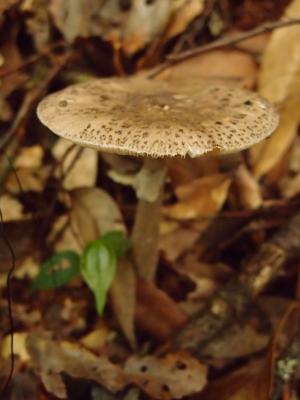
{"type": "Point", "coordinates": [154, 118]}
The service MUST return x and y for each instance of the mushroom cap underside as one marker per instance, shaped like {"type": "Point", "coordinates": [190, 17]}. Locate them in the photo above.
{"type": "Point", "coordinates": [158, 119]}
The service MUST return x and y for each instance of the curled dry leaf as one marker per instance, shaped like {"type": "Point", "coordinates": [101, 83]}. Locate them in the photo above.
{"type": "Point", "coordinates": [123, 298]}
{"type": "Point", "coordinates": [279, 82]}
{"type": "Point", "coordinates": [80, 164]}
{"type": "Point", "coordinates": [186, 12]}
{"type": "Point", "coordinates": [172, 376]}
{"type": "Point", "coordinates": [201, 198]}
{"type": "Point", "coordinates": [247, 188]}
{"type": "Point", "coordinates": [94, 213]}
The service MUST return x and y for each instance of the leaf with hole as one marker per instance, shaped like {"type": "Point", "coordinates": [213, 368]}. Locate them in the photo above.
{"type": "Point", "coordinates": [54, 274]}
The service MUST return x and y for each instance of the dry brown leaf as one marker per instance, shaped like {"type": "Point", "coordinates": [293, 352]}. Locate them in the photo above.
{"type": "Point", "coordinates": [223, 66]}
{"type": "Point", "coordinates": [248, 383]}
{"type": "Point", "coordinates": [268, 154]}
{"type": "Point", "coordinates": [183, 170]}
{"type": "Point", "coordinates": [279, 79]}
{"type": "Point", "coordinates": [171, 377]}
{"type": "Point", "coordinates": [32, 179]}
{"type": "Point", "coordinates": [183, 16]}
{"type": "Point", "coordinates": [94, 213]}
{"type": "Point", "coordinates": [247, 189]}
{"type": "Point", "coordinates": [97, 338]}
{"type": "Point", "coordinates": [51, 358]}
{"type": "Point", "coordinates": [175, 243]}
{"type": "Point", "coordinates": [11, 208]}
{"type": "Point", "coordinates": [156, 313]}
{"type": "Point", "coordinates": [123, 298]}
{"type": "Point", "coordinates": [279, 82]}
{"type": "Point", "coordinates": [84, 169]}
{"type": "Point", "coordinates": [29, 157]}
{"type": "Point", "coordinates": [201, 198]}
{"type": "Point", "coordinates": [63, 236]}
{"type": "Point", "coordinates": [19, 346]}
{"type": "Point", "coordinates": [131, 29]}
{"type": "Point", "coordinates": [206, 277]}
{"type": "Point", "coordinates": [290, 186]}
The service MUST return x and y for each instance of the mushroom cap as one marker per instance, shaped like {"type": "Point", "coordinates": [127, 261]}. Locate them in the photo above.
{"type": "Point", "coordinates": [143, 117]}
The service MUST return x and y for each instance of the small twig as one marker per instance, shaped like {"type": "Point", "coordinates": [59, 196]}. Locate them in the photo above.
{"type": "Point", "coordinates": [10, 310]}
{"type": "Point", "coordinates": [17, 130]}
{"type": "Point", "coordinates": [195, 27]}
{"type": "Point", "coordinates": [31, 60]}
{"type": "Point", "coordinates": [220, 43]}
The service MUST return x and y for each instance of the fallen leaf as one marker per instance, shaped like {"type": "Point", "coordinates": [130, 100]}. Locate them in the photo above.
{"type": "Point", "coordinates": [97, 338]}
{"type": "Point", "coordinates": [82, 161]}
{"type": "Point", "coordinates": [247, 189]}
{"type": "Point", "coordinates": [290, 187]}
{"type": "Point", "coordinates": [156, 313]}
{"type": "Point", "coordinates": [185, 13]}
{"type": "Point", "coordinates": [123, 299]}
{"type": "Point", "coordinates": [183, 170]}
{"type": "Point", "coordinates": [29, 157]}
{"type": "Point", "coordinates": [145, 22]}
{"type": "Point", "coordinates": [170, 377]}
{"type": "Point", "coordinates": [267, 154]}
{"type": "Point", "coordinates": [51, 358]}
{"type": "Point", "coordinates": [131, 28]}
{"type": "Point", "coordinates": [279, 82]}
{"type": "Point", "coordinates": [250, 382]}
{"type": "Point", "coordinates": [19, 346]}
{"type": "Point", "coordinates": [32, 179]}
{"type": "Point", "coordinates": [62, 236]}
{"type": "Point", "coordinates": [201, 198]}
{"type": "Point", "coordinates": [94, 213]}
{"type": "Point", "coordinates": [11, 208]}
{"type": "Point", "coordinates": [175, 243]}
{"type": "Point", "coordinates": [222, 66]}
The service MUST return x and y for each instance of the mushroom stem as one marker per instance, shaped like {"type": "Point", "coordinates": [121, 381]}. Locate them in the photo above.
{"type": "Point", "coordinates": [145, 234]}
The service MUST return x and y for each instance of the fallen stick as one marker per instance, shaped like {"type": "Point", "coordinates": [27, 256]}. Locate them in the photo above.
{"type": "Point", "coordinates": [233, 300]}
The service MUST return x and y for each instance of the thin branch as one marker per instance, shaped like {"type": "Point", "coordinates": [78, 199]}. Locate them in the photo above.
{"type": "Point", "coordinates": [234, 299]}
{"type": "Point", "coordinates": [4, 72]}
{"type": "Point", "coordinates": [220, 43]}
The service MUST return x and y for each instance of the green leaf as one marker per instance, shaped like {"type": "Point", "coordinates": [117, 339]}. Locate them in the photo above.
{"type": "Point", "coordinates": [98, 268]}
{"type": "Point", "coordinates": [53, 274]}
{"type": "Point", "coordinates": [99, 264]}
{"type": "Point", "coordinates": [116, 241]}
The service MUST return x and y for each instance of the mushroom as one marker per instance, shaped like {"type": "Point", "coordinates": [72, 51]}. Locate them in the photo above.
{"type": "Point", "coordinates": [154, 120]}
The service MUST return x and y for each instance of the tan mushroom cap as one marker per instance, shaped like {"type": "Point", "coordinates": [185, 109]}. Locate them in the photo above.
{"type": "Point", "coordinates": [158, 119]}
